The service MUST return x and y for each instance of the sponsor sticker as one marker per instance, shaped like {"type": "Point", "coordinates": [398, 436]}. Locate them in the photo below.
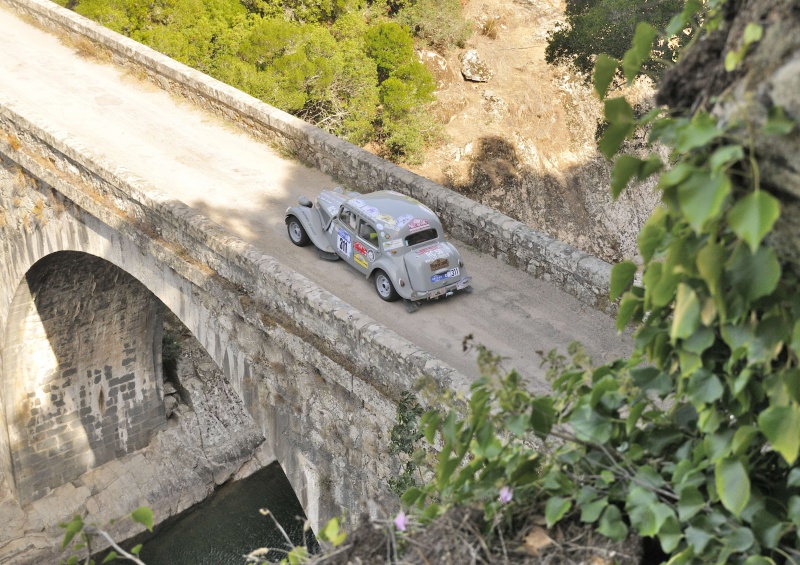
{"type": "Point", "coordinates": [370, 211]}
{"type": "Point", "coordinates": [449, 274]}
{"type": "Point", "coordinates": [344, 243]}
{"type": "Point", "coordinates": [358, 246]}
{"type": "Point", "coordinates": [370, 256]}
{"type": "Point", "coordinates": [417, 224]}
{"type": "Point", "coordinates": [392, 244]}
{"type": "Point", "coordinates": [432, 253]}
{"type": "Point", "coordinates": [385, 218]}
{"type": "Point", "coordinates": [359, 258]}
{"type": "Point", "coordinates": [403, 220]}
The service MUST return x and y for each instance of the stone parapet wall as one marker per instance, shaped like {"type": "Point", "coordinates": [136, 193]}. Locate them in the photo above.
{"type": "Point", "coordinates": [488, 230]}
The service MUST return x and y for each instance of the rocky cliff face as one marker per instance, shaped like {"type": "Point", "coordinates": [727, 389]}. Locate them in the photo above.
{"type": "Point", "coordinates": [520, 134]}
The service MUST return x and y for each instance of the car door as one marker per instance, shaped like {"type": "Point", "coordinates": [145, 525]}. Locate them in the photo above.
{"type": "Point", "coordinates": [365, 247]}
{"type": "Point", "coordinates": [346, 226]}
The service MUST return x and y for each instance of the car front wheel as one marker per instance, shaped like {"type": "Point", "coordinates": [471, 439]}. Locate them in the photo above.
{"type": "Point", "coordinates": [384, 287]}
{"type": "Point", "coordinates": [297, 233]}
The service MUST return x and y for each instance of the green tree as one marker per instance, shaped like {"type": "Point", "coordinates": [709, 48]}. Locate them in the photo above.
{"type": "Point", "coordinates": [439, 23]}
{"type": "Point", "coordinates": [390, 45]}
{"type": "Point", "coordinates": [607, 26]}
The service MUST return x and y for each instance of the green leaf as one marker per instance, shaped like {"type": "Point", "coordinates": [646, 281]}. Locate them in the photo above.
{"type": "Point", "coordinates": [701, 197]}
{"type": "Point", "coordinates": [611, 524]}
{"type": "Point", "coordinates": [699, 132]}
{"type": "Point", "coordinates": [332, 533]}
{"type": "Point", "coordinates": [759, 560]}
{"type": "Point", "coordinates": [652, 234]}
{"type": "Point", "coordinates": [780, 425]}
{"type": "Point", "coordinates": [724, 156]}
{"type": "Point", "coordinates": [710, 264]}
{"type": "Point", "coordinates": [793, 510]}
{"type": "Point", "coordinates": [604, 70]}
{"type": "Point", "coordinates": [136, 549]}
{"type": "Point", "coordinates": [704, 388]}
{"type": "Point", "coordinates": [698, 538]}
{"type": "Point", "coordinates": [742, 439]}
{"type": "Point", "coordinates": [690, 503]}
{"type": "Point", "coordinates": [793, 480]}
{"type": "Point", "coordinates": [555, 509]}
{"type": "Point", "coordinates": [686, 318]}
{"type": "Point", "coordinates": [643, 39]}
{"type": "Point", "coordinates": [110, 557]}
{"type": "Point", "coordinates": [144, 516]}
{"type": "Point", "coordinates": [680, 21]}
{"type": "Point", "coordinates": [767, 528]}
{"type": "Point", "coordinates": [778, 123]}
{"type": "Point", "coordinates": [590, 512]}
{"type": "Point", "coordinates": [754, 276]}
{"type": "Point", "coordinates": [621, 278]}
{"type": "Point", "coordinates": [629, 309]}
{"type": "Point", "coordinates": [670, 534]}
{"type": "Point", "coordinates": [429, 423]}
{"type": "Point", "coordinates": [752, 217]}
{"type": "Point", "coordinates": [543, 415]}
{"type": "Point", "coordinates": [753, 32]}
{"type": "Point", "coordinates": [619, 116]}
{"type": "Point", "coordinates": [412, 496]}
{"type": "Point", "coordinates": [733, 484]}
{"type": "Point", "coordinates": [589, 425]}
{"type": "Point", "coordinates": [625, 168]}
{"type": "Point", "coordinates": [72, 528]}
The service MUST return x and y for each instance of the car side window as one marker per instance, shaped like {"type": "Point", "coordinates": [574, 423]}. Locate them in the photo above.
{"type": "Point", "coordinates": [349, 219]}
{"type": "Point", "coordinates": [368, 233]}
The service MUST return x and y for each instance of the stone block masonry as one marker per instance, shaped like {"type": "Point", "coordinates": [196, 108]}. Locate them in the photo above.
{"type": "Point", "coordinates": [81, 372]}
{"type": "Point", "coordinates": [488, 230]}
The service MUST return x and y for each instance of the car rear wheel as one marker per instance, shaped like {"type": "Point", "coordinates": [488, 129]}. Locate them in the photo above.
{"type": "Point", "coordinates": [296, 231]}
{"type": "Point", "coordinates": [384, 287]}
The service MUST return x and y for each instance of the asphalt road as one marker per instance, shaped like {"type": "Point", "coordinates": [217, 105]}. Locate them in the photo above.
{"type": "Point", "coordinates": [245, 186]}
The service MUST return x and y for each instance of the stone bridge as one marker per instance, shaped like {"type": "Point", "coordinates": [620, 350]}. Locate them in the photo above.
{"type": "Point", "coordinates": [91, 258]}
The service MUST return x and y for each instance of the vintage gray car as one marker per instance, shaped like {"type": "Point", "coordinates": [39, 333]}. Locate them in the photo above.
{"type": "Point", "coordinates": [389, 237]}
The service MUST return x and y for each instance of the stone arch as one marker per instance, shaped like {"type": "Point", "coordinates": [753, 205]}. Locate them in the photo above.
{"type": "Point", "coordinates": [82, 381]}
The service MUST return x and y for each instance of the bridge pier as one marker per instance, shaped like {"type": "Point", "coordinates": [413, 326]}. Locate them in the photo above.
{"type": "Point", "coordinates": [82, 382]}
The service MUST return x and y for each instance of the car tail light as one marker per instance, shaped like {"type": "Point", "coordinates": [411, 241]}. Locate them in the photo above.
{"type": "Point", "coordinates": [461, 263]}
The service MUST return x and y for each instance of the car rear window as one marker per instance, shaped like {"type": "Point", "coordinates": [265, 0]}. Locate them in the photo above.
{"type": "Point", "coordinates": [421, 237]}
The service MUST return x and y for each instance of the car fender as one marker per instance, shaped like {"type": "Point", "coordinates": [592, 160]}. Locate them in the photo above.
{"type": "Point", "coordinates": [395, 272]}
{"type": "Point", "coordinates": [312, 223]}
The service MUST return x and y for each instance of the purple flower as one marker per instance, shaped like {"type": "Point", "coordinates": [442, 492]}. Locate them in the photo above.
{"type": "Point", "coordinates": [506, 494]}
{"type": "Point", "coordinates": [401, 522]}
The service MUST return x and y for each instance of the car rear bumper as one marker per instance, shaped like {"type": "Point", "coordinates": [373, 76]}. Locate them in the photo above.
{"type": "Point", "coordinates": [446, 290]}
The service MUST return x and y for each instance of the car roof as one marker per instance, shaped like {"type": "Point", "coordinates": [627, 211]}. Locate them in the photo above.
{"type": "Point", "coordinates": [394, 211]}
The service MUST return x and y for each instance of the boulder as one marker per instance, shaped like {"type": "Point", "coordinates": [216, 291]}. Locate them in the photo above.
{"type": "Point", "coordinates": [473, 68]}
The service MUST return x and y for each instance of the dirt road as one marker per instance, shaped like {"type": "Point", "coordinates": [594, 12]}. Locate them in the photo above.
{"type": "Point", "coordinates": [245, 186]}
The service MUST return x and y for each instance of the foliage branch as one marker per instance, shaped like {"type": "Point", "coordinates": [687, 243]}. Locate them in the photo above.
{"type": "Point", "coordinates": [693, 440]}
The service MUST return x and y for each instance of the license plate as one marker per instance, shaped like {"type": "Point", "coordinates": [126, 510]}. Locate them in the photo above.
{"type": "Point", "coordinates": [448, 275]}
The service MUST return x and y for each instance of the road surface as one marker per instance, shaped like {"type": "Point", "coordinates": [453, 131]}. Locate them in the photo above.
{"type": "Point", "coordinates": [245, 186]}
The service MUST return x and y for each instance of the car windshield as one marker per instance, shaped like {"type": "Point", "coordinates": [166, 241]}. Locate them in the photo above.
{"type": "Point", "coordinates": [421, 237]}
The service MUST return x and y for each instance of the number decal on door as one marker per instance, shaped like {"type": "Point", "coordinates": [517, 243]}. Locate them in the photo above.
{"type": "Point", "coordinates": [344, 242]}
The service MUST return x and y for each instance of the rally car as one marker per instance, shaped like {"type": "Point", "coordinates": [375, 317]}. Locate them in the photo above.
{"type": "Point", "coordinates": [393, 239]}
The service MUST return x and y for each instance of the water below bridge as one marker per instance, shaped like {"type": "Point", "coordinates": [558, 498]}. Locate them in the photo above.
{"type": "Point", "coordinates": [228, 525]}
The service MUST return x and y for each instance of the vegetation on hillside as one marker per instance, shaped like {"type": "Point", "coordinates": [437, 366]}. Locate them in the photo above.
{"type": "Point", "coordinates": [607, 26]}
{"type": "Point", "coordinates": [347, 66]}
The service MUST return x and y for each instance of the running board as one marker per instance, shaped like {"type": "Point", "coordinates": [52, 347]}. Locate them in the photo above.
{"type": "Point", "coordinates": [327, 256]}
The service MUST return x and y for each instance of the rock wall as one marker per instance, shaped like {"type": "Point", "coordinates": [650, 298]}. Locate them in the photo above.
{"type": "Point", "coordinates": [490, 231]}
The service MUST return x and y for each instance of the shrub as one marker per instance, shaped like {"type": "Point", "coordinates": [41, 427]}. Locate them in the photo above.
{"type": "Point", "coordinates": [439, 23]}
